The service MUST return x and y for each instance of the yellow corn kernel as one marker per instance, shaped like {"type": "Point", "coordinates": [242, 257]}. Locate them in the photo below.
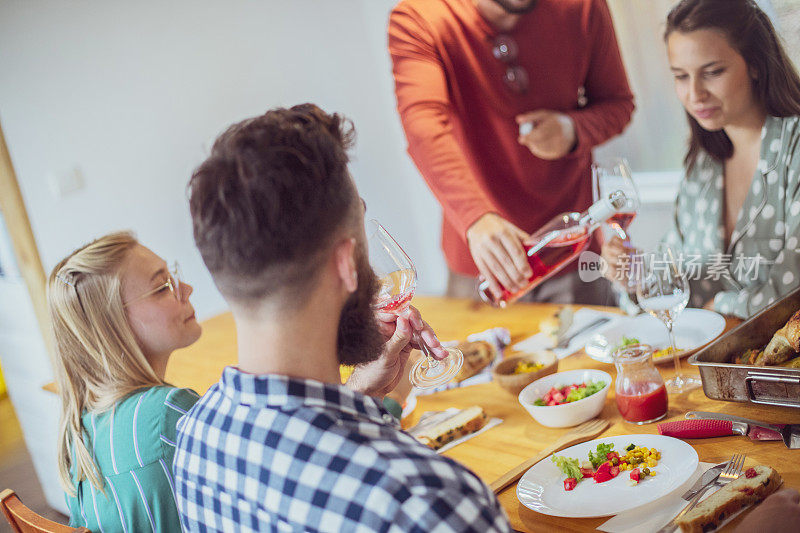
{"type": "Point", "coordinates": [653, 472]}
{"type": "Point", "coordinates": [651, 463]}
{"type": "Point", "coordinates": [653, 450]}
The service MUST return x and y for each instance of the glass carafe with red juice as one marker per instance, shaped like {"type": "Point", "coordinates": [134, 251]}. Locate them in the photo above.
{"type": "Point", "coordinates": [639, 389]}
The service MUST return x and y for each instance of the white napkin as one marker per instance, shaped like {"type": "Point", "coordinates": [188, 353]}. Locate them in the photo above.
{"type": "Point", "coordinates": [582, 318]}
{"type": "Point", "coordinates": [492, 422]}
{"type": "Point", "coordinates": [656, 514]}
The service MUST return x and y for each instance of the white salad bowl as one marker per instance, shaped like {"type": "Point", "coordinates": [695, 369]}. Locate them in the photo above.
{"type": "Point", "coordinates": [568, 414]}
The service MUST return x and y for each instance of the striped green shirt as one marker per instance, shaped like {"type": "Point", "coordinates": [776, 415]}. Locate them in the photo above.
{"type": "Point", "coordinates": [133, 445]}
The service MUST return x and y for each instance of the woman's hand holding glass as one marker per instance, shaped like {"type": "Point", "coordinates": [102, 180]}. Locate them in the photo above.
{"type": "Point", "coordinates": [618, 256]}
{"type": "Point", "coordinates": [611, 175]}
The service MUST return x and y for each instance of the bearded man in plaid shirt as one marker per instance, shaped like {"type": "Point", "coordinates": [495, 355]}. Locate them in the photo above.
{"type": "Point", "coordinates": [279, 444]}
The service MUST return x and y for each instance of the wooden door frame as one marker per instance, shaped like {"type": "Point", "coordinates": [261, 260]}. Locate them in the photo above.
{"type": "Point", "coordinates": [12, 208]}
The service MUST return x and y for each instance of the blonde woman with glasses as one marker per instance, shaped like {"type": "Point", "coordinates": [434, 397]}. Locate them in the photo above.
{"type": "Point", "coordinates": [118, 313]}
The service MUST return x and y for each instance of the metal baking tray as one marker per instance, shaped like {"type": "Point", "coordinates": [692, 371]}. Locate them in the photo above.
{"type": "Point", "coordinates": [766, 385]}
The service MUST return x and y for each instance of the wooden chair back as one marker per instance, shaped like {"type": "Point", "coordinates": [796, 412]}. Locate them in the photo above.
{"type": "Point", "coordinates": [23, 520]}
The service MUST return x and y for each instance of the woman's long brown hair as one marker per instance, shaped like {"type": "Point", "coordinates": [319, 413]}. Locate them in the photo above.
{"type": "Point", "coordinates": [749, 31]}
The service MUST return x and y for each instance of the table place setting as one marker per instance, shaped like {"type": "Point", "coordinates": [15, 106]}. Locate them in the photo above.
{"type": "Point", "coordinates": [429, 421]}
{"type": "Point", "coordinates": [520, 436]}
{"type": "Point", "coordinates": [659, 515]}
{"type": "Point", "coordinates": [584, 323]}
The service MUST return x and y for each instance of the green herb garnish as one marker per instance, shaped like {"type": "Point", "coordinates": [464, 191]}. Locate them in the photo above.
{"type": "Point", "coordinates": [570, 466]}
{"type": "Point", "coordinates": [599, 457]}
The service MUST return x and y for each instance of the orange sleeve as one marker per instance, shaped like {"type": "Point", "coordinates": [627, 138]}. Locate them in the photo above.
{"type": "Point", "coordinates": [610, 98]}
{"type": "Point", "coordinates": [425, 112]}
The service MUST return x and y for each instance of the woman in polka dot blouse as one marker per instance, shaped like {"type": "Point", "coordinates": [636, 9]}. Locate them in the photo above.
{"type": "Point", "coordinates": [737, 215]}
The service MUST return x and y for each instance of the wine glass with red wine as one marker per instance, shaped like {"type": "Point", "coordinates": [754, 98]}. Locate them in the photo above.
{"type": "Point", "coordinates": [398, 279]}
{"type": "Point", "coordinates": [615, 175]}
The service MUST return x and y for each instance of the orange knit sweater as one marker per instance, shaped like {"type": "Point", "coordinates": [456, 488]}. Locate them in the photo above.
{"type": "Point", "coordinates": [458, 115]}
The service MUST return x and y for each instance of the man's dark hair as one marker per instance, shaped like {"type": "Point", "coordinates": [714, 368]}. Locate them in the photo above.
{"type": "Point", "coordinates": [271, 198]}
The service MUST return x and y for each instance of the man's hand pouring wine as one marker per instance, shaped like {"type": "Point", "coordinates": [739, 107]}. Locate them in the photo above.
{"type": "Point", "coordinates": [496, 248]}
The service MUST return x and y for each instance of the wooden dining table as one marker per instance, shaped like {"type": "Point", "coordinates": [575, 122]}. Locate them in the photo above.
{"type": "Point", "coordinates": [519, 437]}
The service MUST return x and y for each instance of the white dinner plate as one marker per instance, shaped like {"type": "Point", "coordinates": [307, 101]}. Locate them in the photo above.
{"type": "Point", "coordinates": [693, 329]}
{"type": "Point", "coordinates": [541, 488]}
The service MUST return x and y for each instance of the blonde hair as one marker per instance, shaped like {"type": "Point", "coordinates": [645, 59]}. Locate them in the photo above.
{"type": "Point", "coordinates": [98, 361]}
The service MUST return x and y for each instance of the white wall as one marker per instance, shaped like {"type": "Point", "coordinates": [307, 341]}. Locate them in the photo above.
{"type": "Point", "coordinates": [132, 93]}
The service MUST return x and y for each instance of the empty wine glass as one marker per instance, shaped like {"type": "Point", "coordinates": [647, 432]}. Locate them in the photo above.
{"type": "Point", "coordinates": [398, 279]}
{"type": "Point", "coordinates": [663, 291]}
{"type": "Point", "coordinates": [612, 175]}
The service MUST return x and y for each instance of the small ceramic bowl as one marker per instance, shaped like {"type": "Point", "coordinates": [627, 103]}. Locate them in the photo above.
{"type": "Point", "coordinates": [568, 414]}
{"type": "Point", "coordinates": [503, 373]}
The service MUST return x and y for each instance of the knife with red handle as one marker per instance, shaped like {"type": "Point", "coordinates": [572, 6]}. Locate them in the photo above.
{"type": "Point", "coordinates": [701, 428]}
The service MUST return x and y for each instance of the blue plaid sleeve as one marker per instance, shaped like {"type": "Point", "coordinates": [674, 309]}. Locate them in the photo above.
{"type": "Point", "coordinates": [451, 510]}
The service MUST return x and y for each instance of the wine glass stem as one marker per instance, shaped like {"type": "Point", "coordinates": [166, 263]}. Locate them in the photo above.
{"type": "Point", "coordinates": [432, 362]}
{"type": "Point", "coordinates": [675, 356]}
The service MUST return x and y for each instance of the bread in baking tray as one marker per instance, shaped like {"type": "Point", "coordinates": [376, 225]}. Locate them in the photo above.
{"type": "Point", "coordinates": [464, 422]}
{"type": "Point", "coordinates": [730, 499]}
{"type": "Point", "coordinates": [477, 356]}
{"type": "Point", "coordinates": [785, 344]}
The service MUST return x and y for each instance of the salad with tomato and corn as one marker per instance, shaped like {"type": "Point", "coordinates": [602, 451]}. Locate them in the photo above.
{"type": "Point", "coordinates": [605, 464]}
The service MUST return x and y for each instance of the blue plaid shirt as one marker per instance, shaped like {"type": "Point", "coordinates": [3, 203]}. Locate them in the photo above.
{"type": "Point", "coordinates": [272, 453]}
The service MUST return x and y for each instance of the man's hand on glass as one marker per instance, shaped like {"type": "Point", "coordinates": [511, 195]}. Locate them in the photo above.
{"type": "Point", "coordinates": [496, 248]}
{"type": "Point", "coordinates": [382, 375]}
{"type": "Point", "coordinates": [551, 135]}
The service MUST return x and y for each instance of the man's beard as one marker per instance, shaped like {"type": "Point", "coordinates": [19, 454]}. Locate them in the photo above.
{"type": "Point", "coordinates": [360, 339]}
{"type": "Point", "coordinates": [508, 7]}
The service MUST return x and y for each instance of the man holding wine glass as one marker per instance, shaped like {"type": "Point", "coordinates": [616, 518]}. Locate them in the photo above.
{"type": "Point", "coordinates": [279, 443]}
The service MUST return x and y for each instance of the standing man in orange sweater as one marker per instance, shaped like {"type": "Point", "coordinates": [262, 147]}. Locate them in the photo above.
{"type": "Point", "coordinates": [502, 102]}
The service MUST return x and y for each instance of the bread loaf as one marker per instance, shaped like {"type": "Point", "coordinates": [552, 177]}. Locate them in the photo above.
{"type": "Point", "coordinates": [730, 499]}
{"type": "Point", "coordinates": [477, 356]}
{"type": "Point", "coordinates": [785, 343]}
{"type": "Point", "coordinates": [462, 423]}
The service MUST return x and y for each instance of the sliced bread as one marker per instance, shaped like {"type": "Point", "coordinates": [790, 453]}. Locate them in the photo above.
{"type": "Point", "coordinates": [462, 423]}
{"type": "Point", "coordinates": [752, 486]}
{"type": "Point", "coordinates": [477, 356]}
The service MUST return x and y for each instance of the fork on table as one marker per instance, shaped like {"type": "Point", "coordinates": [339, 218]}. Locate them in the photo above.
{"type": "Point", "coordinates": [731, 472]}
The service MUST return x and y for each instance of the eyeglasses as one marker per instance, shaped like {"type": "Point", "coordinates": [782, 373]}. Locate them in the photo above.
{"type": "Point", "coordinates": [173, 284]}
{"type": "Point", "coordinates": [505, 49]}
